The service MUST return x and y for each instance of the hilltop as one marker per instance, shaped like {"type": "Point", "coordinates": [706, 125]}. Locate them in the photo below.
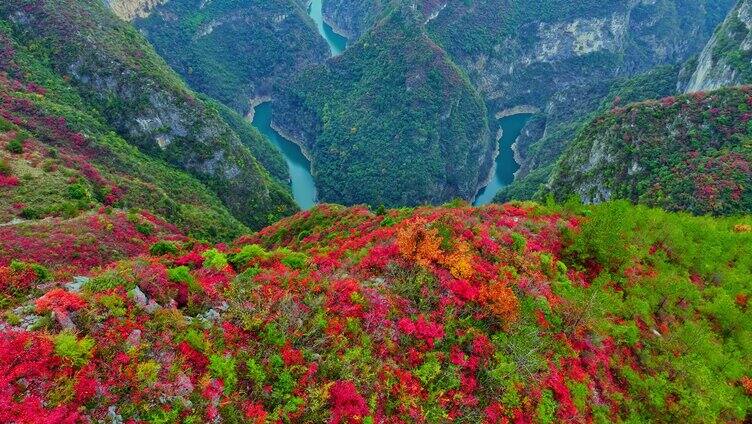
{"type": "Point", "coordinates": [520, 312]}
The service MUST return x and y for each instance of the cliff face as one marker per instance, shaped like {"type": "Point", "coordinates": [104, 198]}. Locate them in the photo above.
{"type": "Point", "coordinates": [566, 57]}
{"type": "Point", "coordinates": [118, 74]}
{"type": "Point", "coordinates": [352, 18]}
{"type": "Point", "coordinates": [128, 10]}
{"type": "Point", "coordinates": [727, 59]}
{"type": "Point", "coordinates": [234, 51]}
{"type": "Point", "coordinates": [392, 121]}
{"type": "Point", "coordinates": [691, 153]}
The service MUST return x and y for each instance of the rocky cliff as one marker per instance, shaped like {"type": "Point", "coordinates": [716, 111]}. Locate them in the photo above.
{"type": "Point", "coordinates": [131, 9]}
{"type": "Point", "coordinates": [120, 76]}
{"type": "Point", "coordinates": [727, 59]}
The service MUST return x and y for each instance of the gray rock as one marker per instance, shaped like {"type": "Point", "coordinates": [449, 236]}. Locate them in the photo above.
{"type": "Point", "coordinates": [77, 283]}
{"type": "Point", "coordinates": [139, 297]}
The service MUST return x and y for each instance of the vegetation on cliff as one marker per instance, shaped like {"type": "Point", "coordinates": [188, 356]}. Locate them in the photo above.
{"type": "Point", "coordinates": [392, 121]}
{"type": "Point", "coordinates": [513, 313]}
{"type": "Point", "coordinates": [120, 80]}
{"type": "Point", "coordinates": [59, 159]}
{"type": "Point", "coordinates": [234, 51]}
{"type": "Point", "coordinates": [690, 153]}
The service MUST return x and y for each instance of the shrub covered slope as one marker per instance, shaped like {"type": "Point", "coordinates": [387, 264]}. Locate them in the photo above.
{"type": "Point", "coordinates": [690, 153]}
{"type": "Point", "coordinates": [513, 313]}
{"type": "Point", "coordinates": [117, 77]}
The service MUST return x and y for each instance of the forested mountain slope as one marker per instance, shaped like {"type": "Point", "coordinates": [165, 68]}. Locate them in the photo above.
{"type": "Point", "coordinates": [120, 78]}
{"type": "Point", "coordinates": [234, 51]}
{"type": "Point", "coordinates": [691, 153]}
{"type": "Point", "coordinates": [392, 121]}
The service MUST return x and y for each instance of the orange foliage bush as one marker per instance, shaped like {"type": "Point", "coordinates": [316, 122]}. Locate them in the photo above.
{"type": "Point", "coordinates": [747, 384]}
{"type": "Point", "coordinates": [501, 300]}
{"type": "Point", "coordinates": [423, 245]}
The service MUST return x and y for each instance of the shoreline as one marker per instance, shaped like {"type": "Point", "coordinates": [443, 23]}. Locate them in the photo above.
{"type": "Point", "coordinates": [304, 151]}
{"type": "Point", "coordinates": [492, 171]}
{"type": "Point", "coordinates": [287, 136]}
{"type": "Point", "coordinates": [517, 110]}
{"type": "Point", "coordinates": [254, 102]}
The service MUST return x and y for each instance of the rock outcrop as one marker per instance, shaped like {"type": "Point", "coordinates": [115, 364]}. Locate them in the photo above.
{"type": "Point", "coordinates": [727, 59]}
{"type": "Point", "coordinates": [129, 10]}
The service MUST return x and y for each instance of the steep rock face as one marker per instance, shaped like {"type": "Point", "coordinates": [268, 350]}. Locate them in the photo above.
{"type": "Point", "coordinates": [727, 59]}
{"type": "Point", "coordinates": [118, 73]}
{"type": "Point", "coordinates": [352, 18]}
{"type": "Point", "coordinates": [392, 121]}
{"type": "Point", "coordinates": [234, 51]}
{"type": "Point", "coordinates": [690, 153]}
{"type": "Point", "coordinates": [560, 55]}
{"type": "Point", "coordinates": [129, 10]}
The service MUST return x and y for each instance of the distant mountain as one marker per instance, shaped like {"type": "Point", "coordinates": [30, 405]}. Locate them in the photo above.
{"type": "Point", "coordinates": [121, 79]}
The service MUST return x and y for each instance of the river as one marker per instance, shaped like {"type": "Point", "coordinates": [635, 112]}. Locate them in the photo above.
{"type": "Point", "coordinates": [505, 165]}
{"type": "Point", "coordinates": [337, 43]}
{"type": "Point", "coordinates": [303, 185]}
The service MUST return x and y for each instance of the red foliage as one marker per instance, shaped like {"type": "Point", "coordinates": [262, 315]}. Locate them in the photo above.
{"type": "Point", "coordinates": [59, 301]}
{"type": "Point", "coordinates": [8, 181]}
{"type": "Point", "coordinates": [348, 406]}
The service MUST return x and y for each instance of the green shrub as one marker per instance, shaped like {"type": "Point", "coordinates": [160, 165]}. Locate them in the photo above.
{"type": "Point", "coordinates": [248, 252]}
{"type": "Point", "coordinates": [31, 213]}
{"type": "Point", "coordinates": [5, 168]}
{"type": "Point", "coordinates": [15, 146]}
{"type": "Point", "coordinates": [43, 274]}
{"type": "Point", "coordinates": [145, 228]}
{"type": "Point", "coordinates": [78, 352]}
{"type": "Point", "coordinates": [163, 247]}
{"type": "Point", "coordinates": [224, 367]}
{"type": "Point", "coordinates": [295, 260]}
{"type": "Point", "coordinates": [213, 258]}
{"type": "Point", "coordinates": [77, 191]}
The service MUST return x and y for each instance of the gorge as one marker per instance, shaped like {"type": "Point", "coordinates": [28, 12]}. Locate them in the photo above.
{"type": "Point", "coordinates": [301, 179]}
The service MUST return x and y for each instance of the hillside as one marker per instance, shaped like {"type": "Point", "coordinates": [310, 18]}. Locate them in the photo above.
{"type": "Point", "coordinates": [392, 121]}
{"type": "Point", "coordinates": [234, 51]}
{"type": "Point", "coordinates": [690, 153]}
{"type": "Point", "coordinates": [83, 50]}
{"type": "Point", "coordinates": [59, 159]}
{"type": "Point", "coordinates": [563, 123]}
{"type": "Point", "coordinates": [514, 313]}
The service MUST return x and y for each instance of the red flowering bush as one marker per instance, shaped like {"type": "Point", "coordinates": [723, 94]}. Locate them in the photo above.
{"type": "Point", "coordinates": [59, 301]}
